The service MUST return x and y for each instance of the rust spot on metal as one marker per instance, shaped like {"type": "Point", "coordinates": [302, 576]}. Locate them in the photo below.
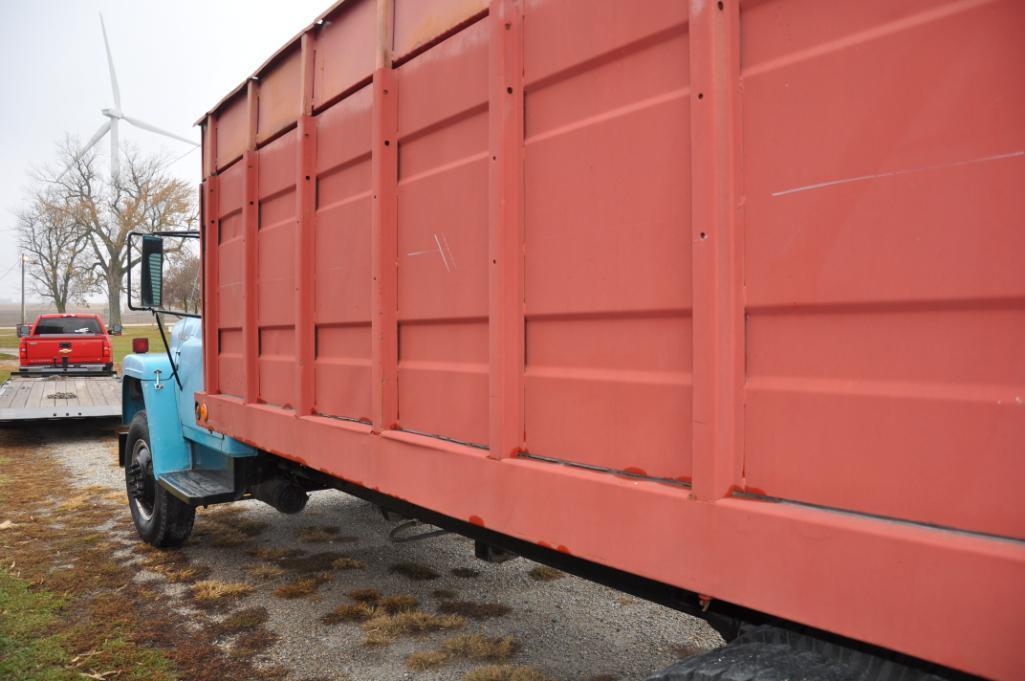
{"type": "Point", "coordinates": [747, 492]}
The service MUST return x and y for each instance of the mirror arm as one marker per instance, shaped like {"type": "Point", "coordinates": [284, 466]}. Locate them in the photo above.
{"type": "Point", "coordinates": [167, 349]}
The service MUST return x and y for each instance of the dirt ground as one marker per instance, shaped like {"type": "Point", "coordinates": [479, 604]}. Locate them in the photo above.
{"type": "Point", "coordinates": [321, 595]}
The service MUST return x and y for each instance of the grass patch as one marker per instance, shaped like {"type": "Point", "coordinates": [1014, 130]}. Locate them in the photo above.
{"type": "Point", "coordinates": [473, 647]}
{"type": "Point", "coordinates": [215, 590]}
{"type": "Point", "coordinates": [321, 534]}
{"type": "Point", "coordinates": [265, 571]}
{"type": "Point", "coordinates": [475, 611]}
{"type": "Point", "coordinates": [315, 562]}
{"type": "Point", "coordinates": [370, 603]}
{"type": "Point", "coordinates": [303, 586]}
{"type": "Point", "coordinates": [505, 672]}
{"type": "Point", "coordinates": [465, 573]}
{"type": "Point", "coordinates": [415, 571]}
{"type": "Point", "coordinates": [365, 595]}
{"type": "Point", "coordinates": [398, 603]}
{"type": "Point", "coordinates": [242, 621]}
{"type": "Point", "coordinates": [106, 624]}
{"type": "Point", "coordinates": [385, 629]}
{"type": "Point", "coordinates": [26, 652]}
{"type": "Point", "coordinates": [347, 563]}
{"type": "Point", "coordinates": [267, 553]}
{"type": "Point", "coordinates": [543, 573]}
{"type": "Point", "coordinates": [350, 612]}
{"type": "Point", "coordinates": [31, 651]}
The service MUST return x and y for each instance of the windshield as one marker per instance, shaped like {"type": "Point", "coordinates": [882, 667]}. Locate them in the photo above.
{"type": "Point", "coordinates": [67, 326]}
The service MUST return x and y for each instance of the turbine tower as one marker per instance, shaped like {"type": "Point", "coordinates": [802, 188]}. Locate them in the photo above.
{"type": "Point", "coordinates": [115, 115]}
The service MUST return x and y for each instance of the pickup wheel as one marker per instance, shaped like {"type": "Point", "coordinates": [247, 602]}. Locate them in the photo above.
{"type": "Point", "coordinates": [160, 519]}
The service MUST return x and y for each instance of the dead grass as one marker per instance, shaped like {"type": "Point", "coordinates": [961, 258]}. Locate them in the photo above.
{"type": "Point", "coordinates": [473, 647]}
{"type": "Point", "coordinates": [365, 595]}
{"type": "Point", "coordinates": [321, 534]}
{"type": "Point", "coordinates": [250, 528]}
{"type": "Point", "coordinates": [385, 629]}
{"type": "Point", "coordinates": [465, 573]}
{"type": "Point", "coordinates": [265, 571]}
{"type": "Point", "coordinates": [426, 659]}
{"type": "Point", "coordinates": [315, 562]}
{"type": "Point", "coordinates": [475, 611]}
{"type": "Point", "coordinates": [347, 563]}
{"type": "Point", "coordinates": [303, 586]}
{"type": "Point", "coordinates": [398, 603]}
{"type": "Point", "coordinates": [505, 672]}
{"type": "Point", "coordinates": [351, 613]}
{"type": "Point", "coordinates": [181, 573]}
{"type": "Point", "coordinates": [543, 573]}
{"type": "Point", "coordinates": [111, 626]}
{"type": "Point", "coordinates": [415, 571]}
{"type": "Point", "coordinates": [268, 553]}
{"type": "Point", "coordinates": [216, 590]}
{"type": "Point", "coordinates": [243, 620]}
{"type": "Point", "coordinates": [220, 536]}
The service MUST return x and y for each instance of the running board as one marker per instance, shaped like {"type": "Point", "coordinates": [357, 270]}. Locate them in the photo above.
{"type": "Point", "coordinates": [201, 487]}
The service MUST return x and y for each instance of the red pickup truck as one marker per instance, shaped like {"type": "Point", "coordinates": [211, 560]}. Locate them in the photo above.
{"type": "Point", "coordinates": [65, 343]}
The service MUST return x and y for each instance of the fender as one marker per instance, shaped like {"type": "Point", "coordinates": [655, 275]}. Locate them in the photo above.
{"type": "Point", "coordinates": [177, 441]}
{"type": "Point", "coordinates": [150, 376]}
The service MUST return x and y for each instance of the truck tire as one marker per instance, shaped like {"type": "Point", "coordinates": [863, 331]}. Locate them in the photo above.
{"type": "Point", "coordinates": [160, 519]}
{"type": "Point", "coordinates": [767, 653]}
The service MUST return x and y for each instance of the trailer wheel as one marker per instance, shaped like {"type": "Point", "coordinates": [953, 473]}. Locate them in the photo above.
{"type": "Point", "coordinates": [767, 653]}
{"type": "Point", "coordinates": [160, 519]}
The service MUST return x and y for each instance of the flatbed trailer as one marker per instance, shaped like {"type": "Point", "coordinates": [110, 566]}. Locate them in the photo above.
{"type": "Point", "coordinates": [59, 396]}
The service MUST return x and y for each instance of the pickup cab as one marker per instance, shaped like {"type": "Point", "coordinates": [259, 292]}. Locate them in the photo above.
{"type": "Point", "coordinates": [65, 343]}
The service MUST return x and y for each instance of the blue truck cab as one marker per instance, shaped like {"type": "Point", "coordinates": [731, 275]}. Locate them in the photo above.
{"type": "Point", "coordinates": [172, 464]}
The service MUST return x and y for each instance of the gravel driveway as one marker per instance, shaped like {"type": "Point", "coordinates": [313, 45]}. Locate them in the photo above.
{"type": "Point", "coordinates": [565, 627]}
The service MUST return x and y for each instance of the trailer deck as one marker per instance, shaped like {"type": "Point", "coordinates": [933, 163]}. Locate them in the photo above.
{"type": "Point", "coordinates": [59, 396]}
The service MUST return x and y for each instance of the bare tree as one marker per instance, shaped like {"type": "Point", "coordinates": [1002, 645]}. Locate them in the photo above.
{"type": "Point", "coordinates": [55, 247]}
{"type": "Point", "coordinates": [141, 197]}
{"type": "Point", "coordinates": [182, 282]}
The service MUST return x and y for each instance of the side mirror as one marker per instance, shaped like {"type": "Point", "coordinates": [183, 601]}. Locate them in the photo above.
{"type": "Point", "coordinates": [116, 330]}
{"type": "Point", "coordinates": [151, 290]}
{"type": "Point", "coordinates": [24, 330]}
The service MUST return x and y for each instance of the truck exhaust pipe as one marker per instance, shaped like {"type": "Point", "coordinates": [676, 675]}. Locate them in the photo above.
{"type": "Point", "coordinates": [281, 493]}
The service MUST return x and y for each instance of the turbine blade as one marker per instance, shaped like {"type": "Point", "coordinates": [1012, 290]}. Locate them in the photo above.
{"type": "Point", "coordinates": [93, 141]}
{"type": "Point", "coordinates": [152, 128]}
{"type": "Point", "coordinates": [110, 65]}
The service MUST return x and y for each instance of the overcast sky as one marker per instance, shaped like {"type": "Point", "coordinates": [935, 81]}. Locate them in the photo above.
{"type": "Point", "coordinates": [174, 61]}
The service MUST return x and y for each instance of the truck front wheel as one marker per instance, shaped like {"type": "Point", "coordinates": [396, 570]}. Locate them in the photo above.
{"type": "Point", "coordinates": [160, 519]}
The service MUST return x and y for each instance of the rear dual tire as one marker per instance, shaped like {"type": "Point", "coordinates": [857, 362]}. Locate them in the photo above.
{"type": "Point", "coordinates": [160, 519]}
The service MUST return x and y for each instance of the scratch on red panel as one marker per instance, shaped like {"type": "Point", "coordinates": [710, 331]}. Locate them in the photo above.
{"type": "Point", "coordinates": [895, 173]}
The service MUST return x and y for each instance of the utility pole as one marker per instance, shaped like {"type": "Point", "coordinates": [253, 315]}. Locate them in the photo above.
{"type": "Point", "coordinates": [22, 288]}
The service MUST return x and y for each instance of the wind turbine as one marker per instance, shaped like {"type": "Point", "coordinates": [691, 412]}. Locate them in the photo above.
{"type": "Point", "coordinates": [115, 116]}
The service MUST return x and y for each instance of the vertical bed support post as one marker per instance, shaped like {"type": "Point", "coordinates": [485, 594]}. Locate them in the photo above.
{"type": "Point", "coordinates": [209, 257]}
{"type": "Point", "coordinates": [250, 231]}
{"type": "Point", "coordinates": [305, 237]}
{"type": "Point", "coordinates": [384, 172]}
{"type": "Point", "coordinates": [718, 248]}
{"type": "Point", "coordinates": [505, 228]}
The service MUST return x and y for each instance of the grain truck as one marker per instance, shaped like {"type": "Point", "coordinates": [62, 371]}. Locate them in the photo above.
{"type": "Point", "coordinates": [719, 303]}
